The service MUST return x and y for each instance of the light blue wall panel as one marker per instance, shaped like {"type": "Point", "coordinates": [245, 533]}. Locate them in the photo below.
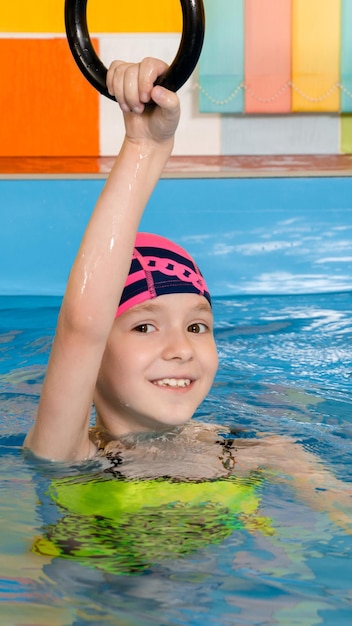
{"type": "Point", "coordinates": [221, 66]}
{"type": "Point", "coordinates": [280, 134]}
{"type": "Point", "coordinates": [346, 56]}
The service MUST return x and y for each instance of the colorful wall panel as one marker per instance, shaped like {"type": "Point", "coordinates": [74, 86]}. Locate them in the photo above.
{"type": "Point", "coordinates": [297, 57]}
{"type": "Point", "coordinates": [221, 69]}
{"type": "Point", "coordinates": [316, 55]}
{"type": "Point", "coordinates": [47, 16]}
{"type": "Point", "coordinates": [260, 57]}
{"type": "Point", "coordinates": [267, 65]}
{"type": "Point", "coordinates": [346, 55]}
{"type": "Point", "coordinates": [52, 111]}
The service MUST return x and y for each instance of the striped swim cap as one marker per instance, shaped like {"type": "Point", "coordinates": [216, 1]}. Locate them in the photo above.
{"type": "Point", "coordinates": [160, 267]}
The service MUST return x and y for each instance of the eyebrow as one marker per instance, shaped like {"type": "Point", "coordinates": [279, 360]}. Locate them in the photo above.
{"type": "Point", "coordinates": [203, 306]}
{"type": "Point", "coordinates": [153, 307]}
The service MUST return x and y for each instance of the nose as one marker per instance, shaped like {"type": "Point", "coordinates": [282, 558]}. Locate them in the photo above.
{"type": "Point", "coordinates": [178, 345]}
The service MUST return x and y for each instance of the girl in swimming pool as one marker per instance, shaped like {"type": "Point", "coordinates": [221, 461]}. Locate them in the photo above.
{"type": "Point", "coordinates": [137, 339]}
{"type": "Point", "coordinates": [142, 349]}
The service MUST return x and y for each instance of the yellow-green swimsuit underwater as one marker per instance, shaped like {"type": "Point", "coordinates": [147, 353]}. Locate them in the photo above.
{"type": "Point", "coordinates": [125, 526]}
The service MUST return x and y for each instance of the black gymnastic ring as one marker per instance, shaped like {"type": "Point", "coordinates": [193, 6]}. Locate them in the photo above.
{"type": "Point", "coordinates": [94, 70]}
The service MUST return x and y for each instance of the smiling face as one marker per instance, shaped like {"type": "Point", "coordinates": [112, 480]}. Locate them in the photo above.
{"type": "Point", "coordinates": [158, 366]}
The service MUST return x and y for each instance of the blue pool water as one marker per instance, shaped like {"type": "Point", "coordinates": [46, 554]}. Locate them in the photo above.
{"type": "Point", "coordinates": [285, 368]}
{"type": "Point", "coordinates": [248, 235]}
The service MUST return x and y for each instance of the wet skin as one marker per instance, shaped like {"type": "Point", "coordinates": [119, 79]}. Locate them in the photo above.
{"type": "Point", "coordinates": [158, 366]}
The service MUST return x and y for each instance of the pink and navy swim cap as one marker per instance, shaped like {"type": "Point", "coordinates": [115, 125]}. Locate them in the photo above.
{"type": "Point", "coordinates": [159, 267]}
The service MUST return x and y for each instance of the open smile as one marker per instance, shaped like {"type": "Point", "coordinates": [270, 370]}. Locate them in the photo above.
{"type": "Point", "coordinates": [173, 383]}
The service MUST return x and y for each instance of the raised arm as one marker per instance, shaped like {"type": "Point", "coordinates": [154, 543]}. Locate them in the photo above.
{"type": "Point", "coordinates": [98, 275]}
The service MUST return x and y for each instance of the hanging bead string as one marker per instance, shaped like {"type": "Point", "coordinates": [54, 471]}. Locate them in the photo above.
{"type": "Point", "coordinates": [227, 100]}
{"type": "Point", "coordinates": [276, 96]}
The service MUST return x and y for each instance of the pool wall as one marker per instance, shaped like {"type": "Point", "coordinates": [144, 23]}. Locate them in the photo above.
{"type": "Point", "coordinates": [249, 235]}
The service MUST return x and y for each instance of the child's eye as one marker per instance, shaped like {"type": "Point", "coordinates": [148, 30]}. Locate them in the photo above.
{"type": "Point", "coordinates": [197, 328]}
{"type": "Point", "coordinates": [144, 328]}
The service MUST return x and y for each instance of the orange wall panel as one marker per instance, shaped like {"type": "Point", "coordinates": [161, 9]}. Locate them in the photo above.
{"type": "Point", "coordinates": [48, 108]}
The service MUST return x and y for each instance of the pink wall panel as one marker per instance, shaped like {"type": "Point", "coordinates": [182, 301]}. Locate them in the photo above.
{"type": "Point", "coordinates": [267, 56]}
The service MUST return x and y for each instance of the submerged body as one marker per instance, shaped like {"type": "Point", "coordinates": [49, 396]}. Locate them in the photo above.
{"type": "Point", "coordinates": [159, 497]}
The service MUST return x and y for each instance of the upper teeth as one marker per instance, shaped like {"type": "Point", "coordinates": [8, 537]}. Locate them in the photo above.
{"type": "Point", "coordinates": [173, 382]}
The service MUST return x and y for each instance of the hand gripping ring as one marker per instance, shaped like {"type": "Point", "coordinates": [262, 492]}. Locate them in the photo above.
{"type": "Point", "coordinates": [94, 70]}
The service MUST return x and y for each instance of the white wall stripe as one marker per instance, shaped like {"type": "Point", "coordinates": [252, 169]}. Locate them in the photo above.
{"type": "Point", "coordinates": [197, 134]}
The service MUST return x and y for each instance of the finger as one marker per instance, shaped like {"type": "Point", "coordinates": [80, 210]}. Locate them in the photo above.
{"type": "Point", "coordinates": [116, 81]}
{"type": "Point", "coordinates": [131, 89]}
{"type": "Point", "coordinates": [167, 100]}
{"type": "Point", "coordinates": [150, 69]}
{"type": "Point", "coordinates": [111, 76]}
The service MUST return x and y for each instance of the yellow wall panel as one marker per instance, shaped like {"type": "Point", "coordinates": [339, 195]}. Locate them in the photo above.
{"type": "Point", "coordinates": [137, 16]}
{"type": "Point", "coordinates": [104, 16]}
{"type": "Point", "coordinates": [316, 55]}
{"type": "Point", "coordinates": [32, 17]}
